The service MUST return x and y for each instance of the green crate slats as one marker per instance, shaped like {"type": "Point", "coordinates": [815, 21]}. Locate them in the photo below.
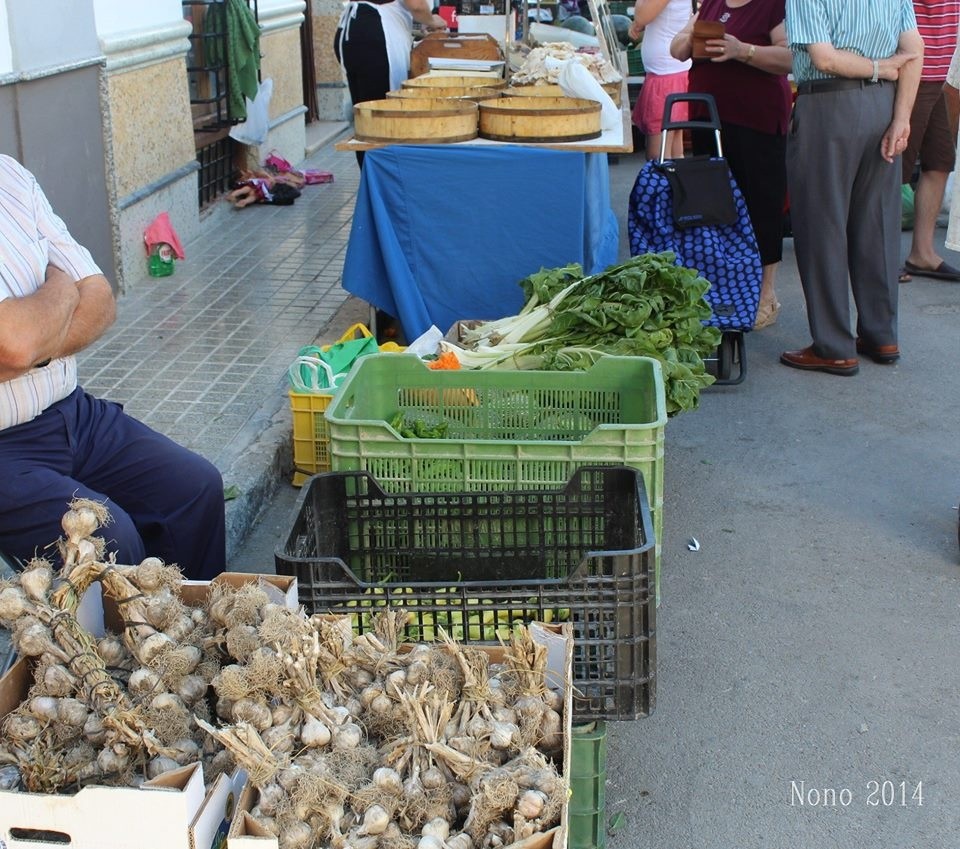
{"type": "Point", "coordinates": [507, 429]}
{"type": "Point", "coordinates": [473, 562]}
{"type": "Point", "coordinates": [587, 828]}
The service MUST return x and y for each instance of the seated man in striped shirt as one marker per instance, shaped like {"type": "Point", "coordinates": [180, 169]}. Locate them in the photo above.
{"type": "Point", "coordinates": [56, 441]}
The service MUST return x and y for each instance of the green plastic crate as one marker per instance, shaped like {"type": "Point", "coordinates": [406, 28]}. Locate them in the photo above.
{"type": "Point", "coordinates": [588, 779]}
{"type": "Point", "coordinates": [506, 429]}
{"type": "Point", "coordinates": [635, 62]}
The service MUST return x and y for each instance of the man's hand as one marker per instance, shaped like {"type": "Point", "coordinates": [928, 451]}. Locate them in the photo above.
{"type": "Point", "coordinates": [890, 68]}
{"type": "Point", "coordinates": [894, 140]}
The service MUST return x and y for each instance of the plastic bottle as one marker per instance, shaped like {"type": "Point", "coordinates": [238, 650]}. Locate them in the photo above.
{"type": "Point", "coordinates": [160, 263]}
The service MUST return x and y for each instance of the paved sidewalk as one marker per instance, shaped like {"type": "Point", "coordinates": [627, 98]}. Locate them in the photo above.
{"type": "Point", "coordinates": [202, 355]}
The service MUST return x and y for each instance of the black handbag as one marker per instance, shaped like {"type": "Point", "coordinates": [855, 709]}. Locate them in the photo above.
{"type": "Point", "coordinates": [701, 186]}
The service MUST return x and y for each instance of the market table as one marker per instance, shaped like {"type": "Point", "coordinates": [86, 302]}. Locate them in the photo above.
{"type": "Point", "coordinates": [444, 232]}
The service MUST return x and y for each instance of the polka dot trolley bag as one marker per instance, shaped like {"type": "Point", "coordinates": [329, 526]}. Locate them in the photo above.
{"type": "Point", "coordinates": [693, 207]}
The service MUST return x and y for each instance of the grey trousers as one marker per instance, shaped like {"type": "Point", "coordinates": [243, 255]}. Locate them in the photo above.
{"type": "Point", "coordinates": [845, 213]}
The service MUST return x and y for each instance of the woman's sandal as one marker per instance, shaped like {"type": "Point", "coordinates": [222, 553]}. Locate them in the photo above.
{"type": "Point", "coordinates": [767, 315]}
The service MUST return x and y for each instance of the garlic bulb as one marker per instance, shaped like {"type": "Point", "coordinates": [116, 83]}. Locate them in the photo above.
{"type": "Point", "coordinates": [429, 842]}
{"type": "Point", "coordinates": [437, 827]}
{"type": "Point", "coordinates": [375, 820]}
{"type": "Point", "coordinates": [531, 804]}
{"type": "Point", "coordinates": [388, 780]}
{"type": "Point", "coordinates": [315, 733]}
{"type": "Point", "coordinates": [432, 779]}
{"type": "Point", "coordinates": [347, 736]}
{"type": "Point", "coordinates": [159, 765]}
{"type": "Point", "coordinates": [255, 712]}
{"type": "Point", "coordinates": [144, 683]}
{"type": "Point", "coordinates": [36, 580]}
{"type": "Point", "coordinates": [43, 708]}
{"type": "Point", "coordinates": [153, 646]}
{"type": "Point", "coordinates": [72, 712]}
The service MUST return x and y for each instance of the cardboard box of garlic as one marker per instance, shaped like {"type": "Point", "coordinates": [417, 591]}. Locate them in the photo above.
{"type": "Point", "coordinates": [464, 747]}
{"type": "Point", "coordinates": [99, 737]}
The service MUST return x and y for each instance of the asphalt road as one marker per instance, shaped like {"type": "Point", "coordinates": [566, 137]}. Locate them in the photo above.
{"type": "Point", "coordinates": [808, 680]}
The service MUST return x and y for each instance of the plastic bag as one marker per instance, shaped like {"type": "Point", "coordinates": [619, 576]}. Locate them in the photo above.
{"type": "Point", "coordinates": [255, 129]}
{"type": "Point", "coordinates": [577, 81]}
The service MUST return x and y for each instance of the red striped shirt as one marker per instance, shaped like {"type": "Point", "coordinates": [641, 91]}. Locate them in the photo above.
{"type": "Point", "coordinates": [938, 21]}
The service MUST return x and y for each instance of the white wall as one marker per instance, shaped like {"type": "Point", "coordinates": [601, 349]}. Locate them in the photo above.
{"type": "Point", "coordinates": [49, 34]}
{"type": "Point", "coordinates": [114, 16]}
{"type": "Point", "coordinates": [6, 54]}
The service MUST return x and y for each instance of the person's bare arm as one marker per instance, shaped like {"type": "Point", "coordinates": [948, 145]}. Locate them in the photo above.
{"type": "Point", "coordinates": [845, 63]}
{"type": "Point", "coordinates": [422, 11]}
{"type": "Point", "coordinates": [644, 11]}
{"type": "Point", "coordinates": [894, 140]}
{"type": "Point", "coordinates": [681, 48]}
{"type": "Point", "coordinates": [95, 312]}
{"type": "Point", "coordinates": [34, 328]}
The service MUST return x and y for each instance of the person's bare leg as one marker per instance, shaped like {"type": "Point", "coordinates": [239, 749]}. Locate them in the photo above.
{"type": "Point", "coordinates": [928, 201]}
{"type": "Point", "coordinates": [769, 307]}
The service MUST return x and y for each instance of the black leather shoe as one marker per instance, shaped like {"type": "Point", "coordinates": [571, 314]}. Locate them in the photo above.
{"type": "Point", "coordinates": [884, 354]}
{"type": "Point", "coordinates": [806, 359]}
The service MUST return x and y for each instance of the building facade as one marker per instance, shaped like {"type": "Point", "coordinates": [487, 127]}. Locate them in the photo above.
{"type": "Point", "coordinates": [109, 103]}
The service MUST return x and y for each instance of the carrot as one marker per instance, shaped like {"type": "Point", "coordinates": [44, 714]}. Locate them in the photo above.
{"type": "Point", "coordinates": [447, 361]}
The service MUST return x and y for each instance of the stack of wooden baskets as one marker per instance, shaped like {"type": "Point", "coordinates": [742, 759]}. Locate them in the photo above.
{"type": "Point", "coordinates": [447, 109]}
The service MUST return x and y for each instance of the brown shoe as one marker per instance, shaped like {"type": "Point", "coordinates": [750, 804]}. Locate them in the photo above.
{"type": "Point", "coordinates": [883, 354]}
{"type": "Point", "coordinates": [808, 360]}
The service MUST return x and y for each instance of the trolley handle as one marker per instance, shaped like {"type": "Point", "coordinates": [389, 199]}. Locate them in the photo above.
{"type": "Point", "coordinates": [711, 123]}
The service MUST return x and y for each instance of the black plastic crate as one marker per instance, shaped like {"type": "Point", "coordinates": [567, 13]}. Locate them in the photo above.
{"type": "Point", "coordinates": [473, 562]}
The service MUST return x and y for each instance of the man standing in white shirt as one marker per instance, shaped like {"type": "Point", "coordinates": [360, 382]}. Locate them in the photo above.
{"type": "Point", "coordinates": [56, 441]}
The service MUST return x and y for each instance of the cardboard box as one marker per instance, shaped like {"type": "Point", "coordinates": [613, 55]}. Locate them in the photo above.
{"type": "Point", "coordinates": [173, 811]}
{"type": "Point", "coordinates": [246, 834]}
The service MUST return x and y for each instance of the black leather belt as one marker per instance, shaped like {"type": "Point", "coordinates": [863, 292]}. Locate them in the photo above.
{"type": "Point", "coordinates": [817, 86]}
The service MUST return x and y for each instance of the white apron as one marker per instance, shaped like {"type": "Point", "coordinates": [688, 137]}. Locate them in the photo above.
{"type": "Point", "coordinates": [397, 32]}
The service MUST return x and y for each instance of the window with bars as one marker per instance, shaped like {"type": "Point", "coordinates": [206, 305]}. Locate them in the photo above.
{"type": "Point", "coordinates": [209, 92]}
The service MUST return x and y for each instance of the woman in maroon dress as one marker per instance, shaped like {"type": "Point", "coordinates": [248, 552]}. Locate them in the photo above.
{"type": "Point", "coordinates": [747, 77]}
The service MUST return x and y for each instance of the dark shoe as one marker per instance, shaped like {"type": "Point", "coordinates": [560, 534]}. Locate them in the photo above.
{"type": "Point", "coordinates": [806, 359]}
{"type": "Point", "coordinates": [883, 354]}
{"type": "Point", "coordinates": [944, 271]}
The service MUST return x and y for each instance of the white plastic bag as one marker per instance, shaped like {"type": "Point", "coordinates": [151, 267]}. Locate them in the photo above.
{"type": "Point", "coordinates": [577, 81]}
{"type": "Point", "coordinates": [254, 130]}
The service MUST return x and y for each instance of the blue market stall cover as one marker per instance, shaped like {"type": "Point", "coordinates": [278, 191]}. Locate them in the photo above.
{"type": "Point", "coordinates": [442, 233]}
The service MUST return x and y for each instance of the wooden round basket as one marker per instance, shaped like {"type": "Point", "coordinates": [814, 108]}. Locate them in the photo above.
{"type": "Point", "coordinates": [465, 81]}
{"type": "Point", "coordinates": [457, 92]}
{"type": "Point", "coordinates": [415, 120]}
{"type": "Point", "coordinates": [539, 119]}
{"type": "Point", "coordinates": [554, 90]}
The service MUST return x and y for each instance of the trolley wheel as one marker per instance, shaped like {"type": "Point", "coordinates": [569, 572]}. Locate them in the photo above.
{"type": "Point", "coordinates": [726, 353]}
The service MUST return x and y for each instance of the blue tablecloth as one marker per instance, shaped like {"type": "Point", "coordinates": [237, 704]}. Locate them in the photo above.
{"type": "Point", "coordinates": [446, 232]}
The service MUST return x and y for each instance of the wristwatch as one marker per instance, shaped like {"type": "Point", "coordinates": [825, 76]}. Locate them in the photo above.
{"type": "Point", "coordinates": [876, 72]}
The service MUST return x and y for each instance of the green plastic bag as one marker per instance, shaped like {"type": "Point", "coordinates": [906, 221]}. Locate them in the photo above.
{"type": "Point", "coordinates": [323, 369]}
{"type": "Point", "coordinates": [907, 212]}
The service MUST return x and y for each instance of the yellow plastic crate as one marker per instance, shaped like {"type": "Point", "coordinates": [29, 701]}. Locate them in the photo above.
{"type": "Point", "coordinates": [311, 435]}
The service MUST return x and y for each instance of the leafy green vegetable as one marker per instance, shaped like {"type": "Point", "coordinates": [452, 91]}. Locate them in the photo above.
{"type": "Point", "coordinates": [419, 428]}
{"type": "Point", "coordinates": [647, 306]}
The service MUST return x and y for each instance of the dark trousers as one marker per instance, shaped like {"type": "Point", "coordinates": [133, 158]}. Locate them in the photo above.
{"type": "Point", "coordinates": [364, 59]}
{"type": "Point", "coordinates": [164, 500]}
{"type": "Point", "coordinates": [758, 162]}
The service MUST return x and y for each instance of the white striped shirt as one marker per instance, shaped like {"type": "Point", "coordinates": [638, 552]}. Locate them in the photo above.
{"type": "Point", "coordinates": [31, 236]}
{"type": "Point", "coordinates": [870, 28]}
